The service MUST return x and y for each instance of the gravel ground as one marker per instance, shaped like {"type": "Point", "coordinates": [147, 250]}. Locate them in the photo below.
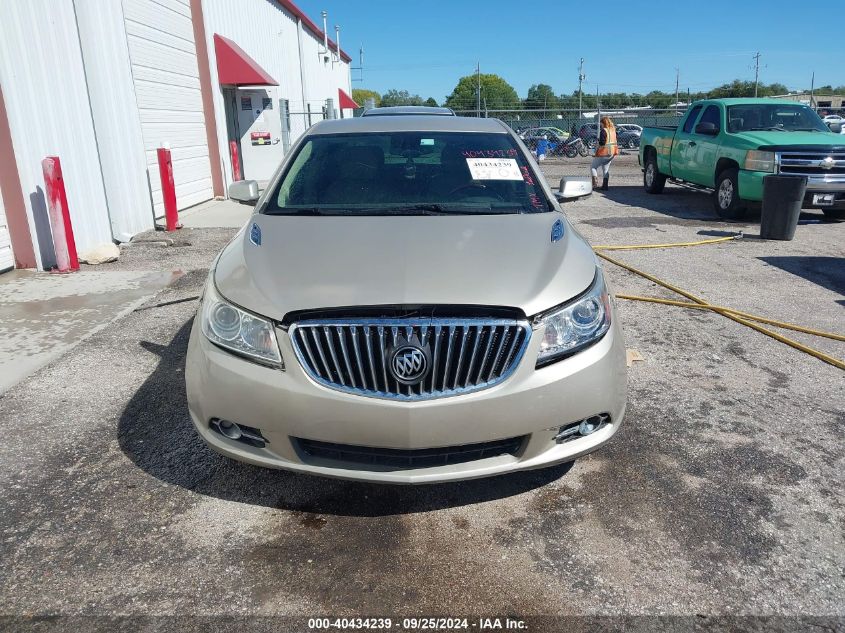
{"type": "Point", "coordinates": [722, 495]}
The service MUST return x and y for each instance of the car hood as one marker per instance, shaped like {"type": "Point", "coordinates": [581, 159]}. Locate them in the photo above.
{"type": "Point", "coordinates": [764, 138]}
{"type": "Point", "coordinates": [307, 263]}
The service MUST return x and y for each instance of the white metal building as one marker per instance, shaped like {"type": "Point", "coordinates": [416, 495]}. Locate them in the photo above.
{"type": "Point", "coordinates": [103, 83]}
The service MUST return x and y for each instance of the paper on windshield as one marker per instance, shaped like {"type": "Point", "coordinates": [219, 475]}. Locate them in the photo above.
{"type": "Point", "coordinates": [494, 169]}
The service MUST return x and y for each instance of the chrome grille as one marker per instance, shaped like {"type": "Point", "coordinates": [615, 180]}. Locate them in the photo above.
{"type": "Point", "coordinates": [804, 163]}
{"type": "Point", "coordinates": [464, 355]}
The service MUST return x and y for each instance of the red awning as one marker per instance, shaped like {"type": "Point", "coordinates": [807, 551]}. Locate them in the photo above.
{"type": "Point", "coordinates": [235, 67]}
{"type": "Point", "coordinates": [345, 100]}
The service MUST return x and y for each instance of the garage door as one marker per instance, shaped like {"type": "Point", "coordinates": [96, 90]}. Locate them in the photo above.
{"type": "Point", "coordinates": [6, 259]}
{"type": "Point", "coordinates": [167, 88]}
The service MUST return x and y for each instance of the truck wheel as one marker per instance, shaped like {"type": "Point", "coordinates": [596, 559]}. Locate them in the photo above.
{"type": "Point", "coordinates": [653, 180]}
{"type": "Point", "coordinates": [726, 199]}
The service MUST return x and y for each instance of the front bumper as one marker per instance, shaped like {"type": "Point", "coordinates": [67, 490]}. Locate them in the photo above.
{"type": "Point", "coordinates": [751, 187]}
{"type": "Point", "coordinates": [288, 404]}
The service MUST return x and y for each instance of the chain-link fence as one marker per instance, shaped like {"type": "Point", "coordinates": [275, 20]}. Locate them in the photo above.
{"type": "Point", "coordinates": [298, 117]}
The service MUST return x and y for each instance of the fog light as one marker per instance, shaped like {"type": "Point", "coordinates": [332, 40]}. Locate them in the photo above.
{"type": "Point", "coordinates": [229, 429]}
{"type": "Point", "coordinates": [582, 428]}
{"type": "Point", "coordinates": [589, 425]}
{"type": "Point", "coordinates": [238, 432]}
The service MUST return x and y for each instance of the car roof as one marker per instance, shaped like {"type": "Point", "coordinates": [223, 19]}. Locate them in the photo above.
{"type": "Point", "coordinates": [748, 101]}
{"type": "Point", "coordinates": [409, 123]}
{"type": "Point", "coordinates": [408, 111]}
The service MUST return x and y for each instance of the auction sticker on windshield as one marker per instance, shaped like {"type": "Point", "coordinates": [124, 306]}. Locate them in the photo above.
{"type": "Point", "coordinates": [494, 169]}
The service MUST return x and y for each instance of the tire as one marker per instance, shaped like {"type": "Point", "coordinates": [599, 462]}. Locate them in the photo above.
{"type": "Point", "coordinates": [834, 214]}
{"type": "Point", "coordinates": [570, 151]}
{"type": "Point", "coordinates": [653, 180]}
{"type": "Point", "coordinates": [726, 198]}
{"type": "Point", "coordinates": [583, 149]}
{"type": "Point", "coordinates": [632, 143]}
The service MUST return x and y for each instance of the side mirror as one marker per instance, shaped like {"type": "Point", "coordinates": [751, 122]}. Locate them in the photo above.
{"type": "Point", "coordinates": [573, 187]}
{"type": "Point", "coordinates": [707, 129]}
{"type": "Point", "coordinates": [244, 191]}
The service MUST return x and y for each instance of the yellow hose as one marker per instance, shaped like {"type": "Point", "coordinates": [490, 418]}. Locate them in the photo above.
{"type": "Point", "coordinates": [744, 315]}
{"type": "Point", "coordinates": [726, 312]}
{"type": "Point", "coordinates": [632, 247]}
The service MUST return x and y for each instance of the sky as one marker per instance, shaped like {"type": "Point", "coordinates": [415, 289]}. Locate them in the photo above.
{"type": "Point", "coordinates": [425, 47]}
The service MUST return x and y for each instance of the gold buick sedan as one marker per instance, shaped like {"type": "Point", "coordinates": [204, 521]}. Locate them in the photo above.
{"type": "Point", "coordinates": [408, 304]}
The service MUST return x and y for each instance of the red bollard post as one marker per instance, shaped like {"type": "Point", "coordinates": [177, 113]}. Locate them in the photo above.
{"type": "Point", "coordinates": [168, 189]}
{"type": "Point", "coordinates": [60, 226]}
{"type": "Point", "coordinates": [236, 163]}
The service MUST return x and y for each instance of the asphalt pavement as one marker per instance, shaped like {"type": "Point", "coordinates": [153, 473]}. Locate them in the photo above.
{"type": "Point", "coordinates": [721, 496]}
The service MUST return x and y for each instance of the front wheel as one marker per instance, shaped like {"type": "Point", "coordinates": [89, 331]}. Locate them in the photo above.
{"type": "Point", "coordinates": [726, 198]}
{"type": "Point", "coordinates": [570, 151]}
{"type": "Point", "coordinates": [583, 149]}
{"type": "Point", "coordinates": [653, 180]}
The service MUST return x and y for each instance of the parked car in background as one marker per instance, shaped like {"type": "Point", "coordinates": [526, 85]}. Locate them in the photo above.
{"type": "Point", "coordinates": [408, 304]}
{"type": "Point", "coordinates": [627, 139]}
{"type": "Point", "coordinates": [539, 131]}
{"type": "Point", "coordinates": [729, 146]}
{"type": "Point", "coordinates": [630, 127]}
{"type": "Point", "coordinates": [834, 122]}
{"type": "Point", "coordinates": [556, 130]}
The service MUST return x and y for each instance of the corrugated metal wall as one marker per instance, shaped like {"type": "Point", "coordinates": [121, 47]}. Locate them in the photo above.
{"type": "Point", "coordinates": [43, 82]}
{"type": "Point", "coordinates": [268, 34]}
{"type": "Point", "coordinates": [167, 89]}
{"type": "Point", "coordinates": [116, 121]}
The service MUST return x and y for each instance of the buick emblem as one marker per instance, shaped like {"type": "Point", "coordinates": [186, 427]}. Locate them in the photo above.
{"type": "Point", "coordinates": [409, 364]}
{"type": "Point", "coordinates": [827, 163]}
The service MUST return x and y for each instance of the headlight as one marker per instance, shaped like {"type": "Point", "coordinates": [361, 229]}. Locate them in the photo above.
{"type": "Point", "coordinates": [574, 326]}
{"type": "Point", "coordinates": [759, 161]}
{"type": "Point", "coordinates": [238, 331]}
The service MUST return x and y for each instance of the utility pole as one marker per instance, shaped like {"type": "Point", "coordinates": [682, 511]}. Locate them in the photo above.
{"type": "Point", "coordinates": [478, 96]}
{"type": "Point", "coordinates": [812, 88]}
{"type": "Point", "coordinates": [756, 71]}
{"type": "Point", "coordinates": [581, 78]}
{"type": "Point", "coordinates": [677, 80]}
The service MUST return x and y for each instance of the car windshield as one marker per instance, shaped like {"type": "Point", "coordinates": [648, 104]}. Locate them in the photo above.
{"type": "Point", "coordinates": [408, 173]}
{"type": "Point", "coordinates": [774, 116]}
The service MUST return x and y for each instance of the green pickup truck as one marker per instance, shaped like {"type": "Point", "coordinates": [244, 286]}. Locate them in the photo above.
{"type": "Point", "coordinates": [728, 146]}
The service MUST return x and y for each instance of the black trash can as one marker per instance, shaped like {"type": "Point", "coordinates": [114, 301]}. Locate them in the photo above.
{"type": "Point", "coordinates": [782, 199]}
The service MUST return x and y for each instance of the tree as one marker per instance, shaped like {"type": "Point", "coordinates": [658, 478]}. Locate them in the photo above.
{"type": "Point", "coordinates": [431, 102]}
{"type": "Point", "coordinates": [542, 97]}
{"type": "Point", "coordinates": [400, 98]}
{"type": "Point", "coordinates": [496, 94]}
{"type": "Point", "coordinates": [360, 96]}
{"type": "Point", "coordinates": [740, 88]}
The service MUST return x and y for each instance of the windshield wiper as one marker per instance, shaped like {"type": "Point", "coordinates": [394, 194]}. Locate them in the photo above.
{"type": "Point", "coordinates": [806, 129]}
{"type": "Point", "coordinates": [295, 211]}
{"type": "Point", "coordinates": [770, 128]}
{"type": "Point", "coordinates": [429, 209]}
